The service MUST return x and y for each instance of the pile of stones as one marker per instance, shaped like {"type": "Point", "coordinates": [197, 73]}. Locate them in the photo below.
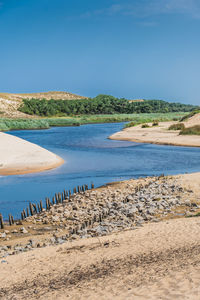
{"type": "Point", "coordinates": [103, 211]}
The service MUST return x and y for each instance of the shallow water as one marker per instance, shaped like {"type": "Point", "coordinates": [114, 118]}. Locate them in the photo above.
{"type": "Point", "coordinates": [90, 157]}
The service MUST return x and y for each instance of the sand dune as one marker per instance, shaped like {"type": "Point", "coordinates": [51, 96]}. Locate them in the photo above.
{"type": "Point", "coordinates": [18, 156]}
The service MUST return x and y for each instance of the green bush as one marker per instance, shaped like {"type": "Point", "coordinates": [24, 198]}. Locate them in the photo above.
{"type": "Point", "coordinates": [155, 124]}
{"type": "Point", "coordinates": [102, 104]}
{"type": "Point", "coordinates": [194, 130]}
{"type": "Point", "coordinates": [145, 126]}
{"type": "Point", "coordinates": [178, 126]}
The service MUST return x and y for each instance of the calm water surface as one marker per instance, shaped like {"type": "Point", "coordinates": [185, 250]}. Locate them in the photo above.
{"type": "Point", "coordinates": [90, 157]}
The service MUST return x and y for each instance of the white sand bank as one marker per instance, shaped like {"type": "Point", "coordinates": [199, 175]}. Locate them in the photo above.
{"type": "Point", "coordinates": [18, 156]}
{"type": "Point", "coordinates": [157, 135]}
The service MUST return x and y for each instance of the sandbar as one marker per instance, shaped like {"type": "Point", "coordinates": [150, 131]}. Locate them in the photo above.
{"type": "Point", "coordinates": [157, 135]}
{"type": "Point", "coordinates": [18, 156]}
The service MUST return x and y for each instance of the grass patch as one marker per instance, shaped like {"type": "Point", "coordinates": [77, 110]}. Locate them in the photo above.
{"type": "Point", "coordinates": [45, 123]}
{"type": "Point", "coordinates": [155, 118]}
{"type": "Point", "coordinates": [194, 130]}
{"type": "Point", "coordinates": [178, 126]}
{"type": "Point", "coordinates": [155, 124]}
{"type": "Point", "coordinates": [145, 126]}
{"type": "Point", "coordinates": [20, 124]}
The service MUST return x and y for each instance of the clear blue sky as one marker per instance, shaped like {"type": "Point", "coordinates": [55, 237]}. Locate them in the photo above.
{"type": "Point", "coordinates": [127, 48]}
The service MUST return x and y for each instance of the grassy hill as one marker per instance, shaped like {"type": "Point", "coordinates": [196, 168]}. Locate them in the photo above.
{"type": "Point", "coordinates": [9, 103]}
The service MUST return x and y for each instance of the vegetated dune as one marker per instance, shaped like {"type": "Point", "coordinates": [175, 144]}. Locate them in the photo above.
{"type": "Point", "coordinates": [9, 103]}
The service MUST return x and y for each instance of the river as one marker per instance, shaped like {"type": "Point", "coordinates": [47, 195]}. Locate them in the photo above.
{"type": "Point", "coordinates": [90, 157]}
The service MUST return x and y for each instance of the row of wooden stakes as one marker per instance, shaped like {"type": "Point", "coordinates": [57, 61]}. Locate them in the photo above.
{"type": "Point", "coordinates": [38, 208]}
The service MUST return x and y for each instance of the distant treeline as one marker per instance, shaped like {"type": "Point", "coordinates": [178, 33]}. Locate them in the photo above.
{"type": "Point", "coordinates": [102, 104]}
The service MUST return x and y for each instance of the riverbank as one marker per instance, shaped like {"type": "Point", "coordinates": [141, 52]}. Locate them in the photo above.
{"type": "Point", "coordinates": [18, 156]}
{"type": "Point", "coordinates": [157, 135]}
{"type": "Point", "coordinates": [7, 124]}
{"type": "Point", "coordinates": [114, 256]}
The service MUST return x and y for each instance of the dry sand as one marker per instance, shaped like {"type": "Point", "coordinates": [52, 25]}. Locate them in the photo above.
{"type": "Point", "coordinates": [18, 156]}
{"type": "Point", "coordinates": [157, 261]}
{"type": "Point", "coordinates": [158, 135]}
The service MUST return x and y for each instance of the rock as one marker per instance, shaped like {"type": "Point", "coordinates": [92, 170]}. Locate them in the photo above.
{"type": "Point", "coordinates": [23, 230]}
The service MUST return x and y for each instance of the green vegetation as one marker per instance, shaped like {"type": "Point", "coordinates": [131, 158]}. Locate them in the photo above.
{"type": "Point", "coordinates": [154, 118]}
{"type": "Point", "coordinates": [178, 126]}
{"type": "Point", "coordinates": [188, 116]}
{"type": "Point", "coordinates": [194, 130]}
{"type": "Point", "coordinates": [102, 104]}
{"type": "Point", "coordinates": [44, 123]}
{"type": "Point", "coordinates": [155, 123]}
{"type": "Point", "coordinates": [18, 124]}
{"type": "Point", "coordinates": [145, 126]}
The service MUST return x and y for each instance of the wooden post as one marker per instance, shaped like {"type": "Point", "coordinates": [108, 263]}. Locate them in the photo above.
{"type": "Point", "coordinates": [49, 203]}
{"type": "Point", "coordinates": [47, 206]}
{"type": "Point", "coordinates": [59, 198]}
{"type": "Point", "coordinates": [27, 212]}
{"type": "Point", "coordinates": [10, 220]}
{"type": "Point", "coordinates": [31, 209]}
{"type": "Point", "coordinates": [35, 208]}
{"type": "Point", "coordinates": [41, 207]}
{"type": "Point", "coordinates": [56, 195]}
{"type": "Point", "coordinates": [1, 222]}
{"type": "Point", "coordinates": [24, 213]}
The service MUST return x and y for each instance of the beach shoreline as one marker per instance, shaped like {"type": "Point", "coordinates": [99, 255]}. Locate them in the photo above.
{"type": "Point", "coordinates": [125, 262]}
{"type": "Point", "coordinates": [18, 157]}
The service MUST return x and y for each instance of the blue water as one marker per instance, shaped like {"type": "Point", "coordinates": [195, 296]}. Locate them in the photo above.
{"type": "Point", "coordinates": [90, 157]}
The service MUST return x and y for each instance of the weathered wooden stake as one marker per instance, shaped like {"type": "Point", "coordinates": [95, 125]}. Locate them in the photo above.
{"type": "Point", "coordinates": [10, 220]}
{"type": "Point", "coordinates": [1, 222]}
{"type": "Point", "coordinates": [31, 209]}
{"type": "Point", "coordinates": [41, 207]}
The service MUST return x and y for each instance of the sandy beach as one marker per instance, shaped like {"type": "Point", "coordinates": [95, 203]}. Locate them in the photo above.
{"type": "Point", "coordinates": [18, 156]}
{"type": "Point", "coordinates": [157, 260]}
{"type": "Point", "coordinates": [158, 135]}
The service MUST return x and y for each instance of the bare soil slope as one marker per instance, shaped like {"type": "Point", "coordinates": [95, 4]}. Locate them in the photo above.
{"type": "Point", "coordinates": [9, 103]}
